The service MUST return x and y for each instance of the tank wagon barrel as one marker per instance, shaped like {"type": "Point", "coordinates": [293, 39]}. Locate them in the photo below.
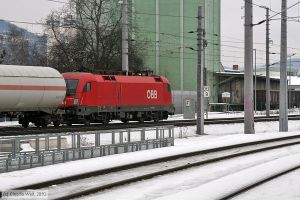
{"type": "Point", "coordinates": [35, 92]}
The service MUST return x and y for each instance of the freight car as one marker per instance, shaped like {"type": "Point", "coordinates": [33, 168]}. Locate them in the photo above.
{"type": "Point", "coordinates": [34, 93]}
{"type": "Point", "coordinates": [101, 98]}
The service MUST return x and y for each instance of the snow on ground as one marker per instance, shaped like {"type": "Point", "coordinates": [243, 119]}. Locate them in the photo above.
{"type": "Point", "coordinates": [207, 182]}
{"type": "Point", "coordinates": [232, 182]}
{"type": "Point", "coordinates": [216, 136]}
{"type": "Point", "coordinates": [26, 147]}
{"type": "Point", "coordinates": [9, 123]}
{"type": "Point", "coordinates": [12, 179]}
{"type": "Point", "coordinates": [284, 187]}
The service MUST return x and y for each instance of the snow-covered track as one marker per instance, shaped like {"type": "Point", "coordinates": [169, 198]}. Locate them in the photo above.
{"type": "Point", "coordinates": [259, 181]}
{"type": "Point", "coordinates": [84, 184]}
{"type": "Point", "coordinates": [13, 131]}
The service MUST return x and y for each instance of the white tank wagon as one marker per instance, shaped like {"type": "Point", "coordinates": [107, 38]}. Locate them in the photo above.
{"type": "Point", "coordinates": [34, 92]}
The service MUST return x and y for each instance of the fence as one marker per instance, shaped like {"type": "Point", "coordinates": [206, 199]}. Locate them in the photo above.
{"type": "Point", "coordinates": [50, 149]}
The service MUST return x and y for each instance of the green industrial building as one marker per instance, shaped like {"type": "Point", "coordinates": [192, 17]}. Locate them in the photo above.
{"type": "Point", "coordinates": [170, 29]}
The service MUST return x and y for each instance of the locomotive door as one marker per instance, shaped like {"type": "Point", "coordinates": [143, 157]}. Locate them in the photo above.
{"type": "Point", "coordinates": [88, 94]}
{"type": "Point", "coordinates": [119, 95]}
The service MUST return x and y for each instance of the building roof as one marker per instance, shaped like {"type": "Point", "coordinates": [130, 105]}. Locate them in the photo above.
{"type": "Point", "coordinates": [241, 74]}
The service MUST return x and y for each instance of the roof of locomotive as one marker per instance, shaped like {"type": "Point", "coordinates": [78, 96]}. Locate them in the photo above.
{"type": "Point", "coordinates": [28, 71]}
{"type": "Point", "coordinates": [118, 78]}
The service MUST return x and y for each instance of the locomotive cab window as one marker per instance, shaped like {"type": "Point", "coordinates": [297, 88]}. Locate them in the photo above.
{"type": "Point", "coordinates": [87, 87]}
{"type": "Point", "coordinates": [71, 87]}
{"type": "Point", "coordinates": [168, 87]}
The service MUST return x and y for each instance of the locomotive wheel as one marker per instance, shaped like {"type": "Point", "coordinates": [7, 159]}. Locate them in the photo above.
{"type": "Point", "coordinates": [69, 123]}
{"type": "Point", "coordinates": [124, 120]}
{"type": "Point", "coordinates": [141, 120]}
{"type": "Point", "coordinates": [25, 124]}
{"type": "Point", "coordinates": [105, 122]}
{"type": "Point", "coordinates": [44, 125]}
{"type": "Point", "coordinates": [37, 124]}
{"type": "Point", "coordinates": [56, 123]}
{"type": "Point", "coordinates": [87, 122]}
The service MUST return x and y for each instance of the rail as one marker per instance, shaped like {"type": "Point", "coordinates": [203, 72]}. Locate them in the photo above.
{"type": "Point", "coordinates": [11, 131]}
{"type": "Point", "coordinates": [139, 171]}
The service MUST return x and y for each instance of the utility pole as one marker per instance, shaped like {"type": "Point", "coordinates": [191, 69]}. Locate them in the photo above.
{"type": "Point", "coordinates": [267, 62]}
{"type": "Point", "coordinates": [255, 81]}
{"type": "Point", "coordinates": [157, 38]}
{"type": "Point", "coordinates": [283, 115]}
{"type": "Point", "coordinates": [125, 36]}
{"type": "Point", "coordinates": [248, 77]}
{"type": "Point", "coordinates": [200, 95]}
{"type": "Point", "coordinates": [181, 35]}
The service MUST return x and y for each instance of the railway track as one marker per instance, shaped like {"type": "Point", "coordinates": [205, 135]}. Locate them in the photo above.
{"type": "Point", "coordinates": [258, 182]}
{"type": "Point", "coordinates": [6, 131]}
{"type": "Point", "coordinates": [85, 184]}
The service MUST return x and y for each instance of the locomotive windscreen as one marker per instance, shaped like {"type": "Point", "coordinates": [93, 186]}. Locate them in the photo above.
{"type": "Point", "coordinates": [71, 87]}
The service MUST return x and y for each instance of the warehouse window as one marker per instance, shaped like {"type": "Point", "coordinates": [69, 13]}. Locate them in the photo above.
{"type": "Point", "coordinates": [87, 87]}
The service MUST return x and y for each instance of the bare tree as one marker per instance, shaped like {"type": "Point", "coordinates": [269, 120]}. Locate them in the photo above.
{"type": "Point", "coordinates": [2, 56]}
{"type": "Point", "coordinates": [20, 49]}
{"type": "Point", "coordinates": [17, 47]}
{"type": "Point", "coordinates": [91, 41]}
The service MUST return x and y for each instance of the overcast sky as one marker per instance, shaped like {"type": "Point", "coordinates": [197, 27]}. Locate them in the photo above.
{"type": "Point", "coordinates": [232, 25]}
{"type": "Point", "coordinates": [233, 30]}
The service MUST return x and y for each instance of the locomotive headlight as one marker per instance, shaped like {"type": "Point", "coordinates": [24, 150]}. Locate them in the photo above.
{"type": "Point", "coordinates": [76, 101]}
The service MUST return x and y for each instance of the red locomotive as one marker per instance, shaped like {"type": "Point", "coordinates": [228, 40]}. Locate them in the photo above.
{"type": "Point", "coordinates": [101, 98]}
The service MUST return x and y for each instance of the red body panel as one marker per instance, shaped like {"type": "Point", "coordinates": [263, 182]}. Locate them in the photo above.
{"type": "Point", "coordinates": [121, 91]}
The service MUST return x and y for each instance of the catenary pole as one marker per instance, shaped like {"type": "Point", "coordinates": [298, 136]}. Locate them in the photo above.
{"type": "Point", "coordinates": [125, 36]}
{"type": "Point", "coordinates": [248, 77]}
{"type": "Point", "coordinates": [157, 37]}
{"type": "Point", "coordinates": [200, 95]}
{"type": "Point", "coordinates": [255, 83]}
{"type": "Point", "coordinates": [283, 114]}
{"type": "Point", "coordinates": [267, 62]}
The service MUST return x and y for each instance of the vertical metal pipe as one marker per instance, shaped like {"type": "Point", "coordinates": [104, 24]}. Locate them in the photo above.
{"type": "Point", "coordinates": [143, 134]}
{"type": "Point", "coordinates": [133, 19]}
{"type": "Point", "coordinates": [78, 142]}
{"type": "Point", "coordinates": [200, 96]}
{"type": "Point", "coordinates": [113, 140]}
{"type": "Point", "coordinates": [128, 136]}
{"type": "Point", "coordinates": [97, 139]}
{"type": "Point", "coordinates": [283, 114]}
{"type": "Point", "coordinates": [289, 83]}
{"type": "Point", "coordinates": [248, 77]}
{"type": "Point", "coordinates": [73, 141]}
{"type": "Point", "coordinates": [59, 143]}
{"type": "Point", "coordinates": [181, 49]}
{"type": "Point", "coordinates": [47, 143]}
{"type": "Point", "coordinates": [121, 137]}
{"type": "Point", "coordinates": [255, 78]}
{"type": "Point", "coordinates": [157, 40]}
{"type": "Point", "coordinates": [37, 145]}
{"type": "Point", "coordinates": [267, 63]}
{"type": "Point", "coordinates": [125, 36]}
